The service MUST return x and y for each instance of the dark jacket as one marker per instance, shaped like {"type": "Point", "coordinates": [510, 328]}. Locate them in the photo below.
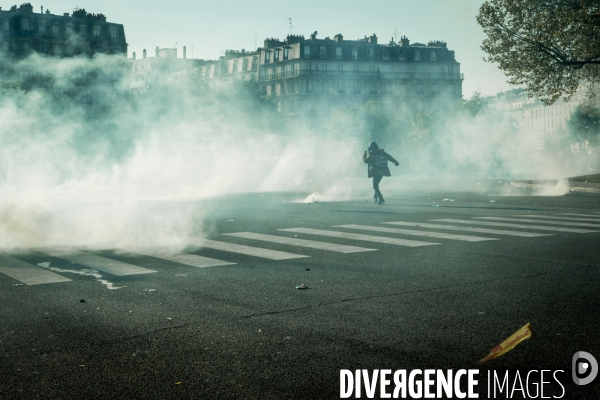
{"type": "Point", "coordinates": [377, 160]}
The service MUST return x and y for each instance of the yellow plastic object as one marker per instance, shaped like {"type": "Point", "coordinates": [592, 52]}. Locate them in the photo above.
{"type": "Point", "coordinates": [509, 343]}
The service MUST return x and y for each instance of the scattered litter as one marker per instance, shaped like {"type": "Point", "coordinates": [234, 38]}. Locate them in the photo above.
{"type": "Point", "coordinates": [230, 220]}
{"type": "Point", "coordinates": [509, 343]}
{"type": "Point", "coordinates": [82, 301]}
{"type": "Point", "coordinates": [308, 269]}
{"type": "Point", "coordinates": [492, 201]}
{"type": "Point", "coordinates": [448, 199]}
{"type": "Point", "coordinates": [436, 205]}
{"type": "Point", "coordinates": [178, 383]}
{"type": "Point", "coordinates": [181, 274]}
{"type": "Point", "coordinates": [169, 319]}
{"type": "Point", "coordinates": [302, 287]}
{"type": "Point", "coordinates": [152, 290]}
{"type": "Point", "coordinates": [18, 284]}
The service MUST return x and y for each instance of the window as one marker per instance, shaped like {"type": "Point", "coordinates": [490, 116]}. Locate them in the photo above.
{"type": "Point", "coordinates": [341, 88]}
{"type": "Point", "coordinates": [370, 52]}
{"type": "Point", "coordinates": [386, 54]}
{"type": "Point", "coordinates": [354, 53]}
{"type": "Point", "coordinates": [372, 88]}
{"type": "Point", "coordinates": [269, 73]}
{"type": "Point", "coordinates": [323, 51]}
{"type": "Point", "coordinates": [113, 33]}
{"type": "Point", "coordinates": [286, 52]}
{"type": "Point", "coordinates": [356, 69]}
{"type": "Point", "coordinates": [83, 30]}
{"type": "Point", "coordinates": [309, 86]}
{"type": "Point", "coordinates": [324, 86]}
{"type": "Point", "coordinates": [356, 87]}
{"type": "Point", "coordinates": [42, 26]}
{"type": "Point", "coordinates": [417, 55]}
{"type": "Point", "coordinates": [432, 57]}
{"type": "Point", "coordinates": [234, 66]}
{"type": "Point", "coordinates": [338, 53]}
{"type": "Point", "coordinates": [5, 25]}
{"type": "Point", "coordinates": [276, 55]}
{"type": "Point", "coordinates": [24, 25]}
{"type": "Point", "coordinates": [324, 69]}
{"type": "Point", "coordinates": [267, 57]}
{"type": "Point", "coordinates": [55, 29]}
{"type": "Point", "coordinates": [26, 46]}
{"type": "Point", "coordinates": [69, 29]}
{"type": "Point", "coordinates": [341, 68]}
{"type": "Point", "coordinates": [96, 31]}
{"type": "Point", "coordinates": [306, 51]}
{"type": "Point", "coordinates": [245, 65]}
{"type": "Point", "coordinates": [373, 69]}
{"type": "Point", "coordinates": [254, 63]}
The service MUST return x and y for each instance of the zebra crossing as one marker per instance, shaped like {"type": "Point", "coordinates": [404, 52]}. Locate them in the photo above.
{"type": "Point", "coordinates": [387, 233]}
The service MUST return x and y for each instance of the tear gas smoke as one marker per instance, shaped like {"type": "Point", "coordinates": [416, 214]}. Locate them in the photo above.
{"type": "Point", "coordinates": [83, 163]}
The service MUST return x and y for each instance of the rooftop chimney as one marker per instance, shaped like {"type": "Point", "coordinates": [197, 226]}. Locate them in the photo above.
{"type": "Point", "coordinates": [184, 52]}
{"type": "Point", "coordinates": [42, 9]}
{"type": "Point", "coordinates": [156, 51]}
{"type": "Point", "coordinates": [144, 53]}
{"type": "Point", "coordinates": [134, 56]}
{"type": "Point", "coordinates": [338, 37]}
{"type": "Point", "coordinates": [65, 14]}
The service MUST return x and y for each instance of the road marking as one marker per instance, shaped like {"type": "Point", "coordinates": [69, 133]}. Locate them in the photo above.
{"type": "Point", "coordinates": [560, 218]}
{"type": "Point", "coordinates": [534, 227]}
{"type": "Point", "coordinates": [541, 222]}
{"type": "Point", "coordinates": [356, 236]}
{"type": "Point", "coordinates": [99, 263]}
{"type": "Point", "coordinates": [469, 229]}
{"type": "Point", "coordinates": [241, 249]}
{"type": "Point", "coordinates": [27, 273]}
{"type": "Point", "coordinates": [581, 215]}
{"type": "Point", "coordinates": [438, 235]}
{"type": "Point", "coordinates": [340, 248]}
{"type": "Point", "coordinates": [188, 259]}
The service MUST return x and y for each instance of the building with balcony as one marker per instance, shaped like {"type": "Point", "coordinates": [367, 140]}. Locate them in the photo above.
{"type": "Point", "coordinates": [322, 74]}
{"type": "Point", "coordinates": [23, 31]}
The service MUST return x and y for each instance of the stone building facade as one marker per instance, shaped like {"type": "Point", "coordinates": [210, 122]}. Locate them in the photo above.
{"type": "Point", "coordinates": [24, 31]}
{"type": "Point", "coordinates": [539, 124]}
{"type": "Point", "coordinates": [323, 74]}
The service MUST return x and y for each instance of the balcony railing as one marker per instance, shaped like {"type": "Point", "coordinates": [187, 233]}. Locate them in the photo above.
{"type": "Point", "coordinates": [362, 74]}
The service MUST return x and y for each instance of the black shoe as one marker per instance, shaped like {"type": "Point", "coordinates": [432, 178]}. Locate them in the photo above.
{"type": "Point", "coordinates": [380, 202]}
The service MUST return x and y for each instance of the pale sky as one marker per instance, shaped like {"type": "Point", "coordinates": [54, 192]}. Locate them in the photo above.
{"type": "Point", "coordinates": [214, 26]}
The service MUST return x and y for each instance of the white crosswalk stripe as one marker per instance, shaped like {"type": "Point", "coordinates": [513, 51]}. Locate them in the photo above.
{"type": "Point", "coordinates": [559, 218]}
{"type": "Point", "coordinates": [99, 263]}
{"type": "Point", "coordinates": [356, 236]}
{"type": "Point", "coordinates": [27, 273]}
{"type": "Point", "coordinates": [300, 242]}
{"type": "Point", "coordinates": [469, 229]}
{"type": "Point", "coordinates": [534, 227]}
{"type": "Point", "coordinates": [541, 222]}
{"type": "Point", "coordinates": [438, 235]}
{"type": "Point", "coordinates": [241, 249]}
{"type": "Point", "coordinates": [581, 215]}
{"type": "Point", "coordinates": [188, 259]}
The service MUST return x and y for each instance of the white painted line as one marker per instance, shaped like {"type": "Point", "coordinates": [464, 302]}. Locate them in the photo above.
{"type": "Point", "coordinates": [534, 227]}
{"type": "Point", "coordinates": [580, 215]}
{"type": "Point", "coordinates": [241, 249]}
{"type": "Point", "coordinates": [340, 248]}
{"type": "Point", "coordinates": [560, 218]}
{"type": "Point", "coordinates": [469, 229]}
{"type": "Point", "coordinates": [356, 236]}
{"type": "Point", "coordinates": [188, 259]}
{"type": "Point", "coordinates": [438, 235]}
{"type": "Point", "coordinates": [99, 263]}
{"type": "Point", "coordinates": [27, 273]}
{"type": "Point", "coordinates": [541, 222]}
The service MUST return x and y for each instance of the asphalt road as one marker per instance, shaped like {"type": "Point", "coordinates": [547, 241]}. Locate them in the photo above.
{"type": "Point", "coordinates": [244, 331]}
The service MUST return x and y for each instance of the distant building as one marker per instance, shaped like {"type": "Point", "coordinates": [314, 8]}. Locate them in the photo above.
{"type": "Point", "coordinates": [322, 74]}
{"type": "Point", "coordinates": [24, 32]}
{"type": "Point", "coordinates": [538, 123]}
{"type": "Point", "coordinates": [148, 71]}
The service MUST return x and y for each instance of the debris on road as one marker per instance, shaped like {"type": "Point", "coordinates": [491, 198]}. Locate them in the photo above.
{"type": "Point", "coordinates": [82, 301]}
{"type": "Point", "coordinates": [302, 287]}
{"type": "Point", "coordinates": [18, 284]}
{"type": "Point", "coordinates": [152, 290]}
{"type": "Point", "coordinates": [308, 269]}
{"type": "Point", "coordinates": [492, 201]}
{"type": "Point", "coordinates": [509, 343]}
{"type": "Point", "coordinates": [230, 220]}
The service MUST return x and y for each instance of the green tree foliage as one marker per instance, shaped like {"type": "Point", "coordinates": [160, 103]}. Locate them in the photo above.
{"type": "Point", "coordinates": [585, 124]}
{"type": "Point", "coordinates": [550, 46]}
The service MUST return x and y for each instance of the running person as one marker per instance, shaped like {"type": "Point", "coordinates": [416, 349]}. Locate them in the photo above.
{"type": "Point", "coordinates": [377, 160]}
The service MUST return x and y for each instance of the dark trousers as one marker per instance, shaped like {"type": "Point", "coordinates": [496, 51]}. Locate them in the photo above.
{"type": "Point", "coordinates": [376, 180]}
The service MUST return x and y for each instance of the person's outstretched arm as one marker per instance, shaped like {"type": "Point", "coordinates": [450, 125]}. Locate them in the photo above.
{"type": "Point", "coordinates": [392, 159]}
{"type": "Point", "coordinates": [366, 157]}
